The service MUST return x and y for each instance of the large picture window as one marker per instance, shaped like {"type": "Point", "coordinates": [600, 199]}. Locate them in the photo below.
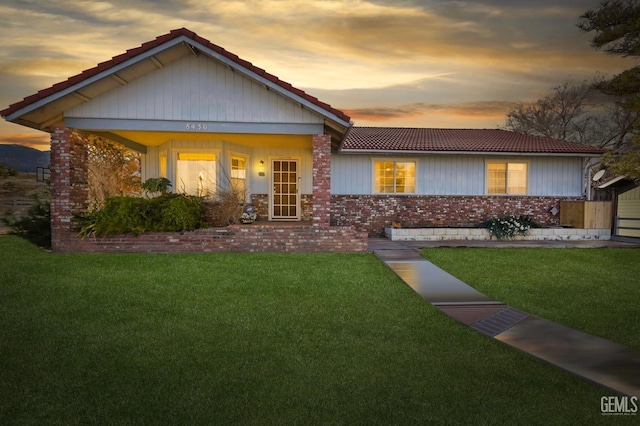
{"type": "Point", "coordinates": [506, 178]}
{"type": "Point", "coordinates": [196, 173]}
{"type": "Point", "coordinates": [395, 177]}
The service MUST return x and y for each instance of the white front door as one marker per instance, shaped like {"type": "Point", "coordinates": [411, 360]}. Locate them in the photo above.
{"type": "Point", "coordinates": [285, 190]}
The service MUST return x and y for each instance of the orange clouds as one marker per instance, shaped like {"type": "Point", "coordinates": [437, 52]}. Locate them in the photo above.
{"type": "Point", "coordinates": [490, 110]}
{"type": "Point", "coordinates": [405, 62]}
{"type": "Point", "coordinates": [38, 141]}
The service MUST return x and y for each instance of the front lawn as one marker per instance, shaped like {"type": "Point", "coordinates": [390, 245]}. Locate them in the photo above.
{"type": "Point", "coordinates": [253, 339]}
{"type": "Point", "coordinates": [593, 290]}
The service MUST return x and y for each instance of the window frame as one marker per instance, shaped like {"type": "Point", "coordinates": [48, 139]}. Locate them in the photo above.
{"type": "Point", "coordinates": [174, 154]}
{"type": "Point", "coordinates": [394, 160]}
{"type": "Point", "coordinates": [506, 162]}
{"type": "Point", "coordinates": [247, 162]}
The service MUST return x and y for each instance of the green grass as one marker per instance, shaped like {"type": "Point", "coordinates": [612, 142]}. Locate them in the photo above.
{"type": "Point", "coordinates": [253, 339]}
{"type": "Point", "coordinates": [593, 290]}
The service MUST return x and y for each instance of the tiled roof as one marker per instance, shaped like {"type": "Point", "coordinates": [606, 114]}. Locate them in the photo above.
{"type": "Point", "coordinates": [457, 140]}
{"type": "Point", "coordinates": [131, 53]}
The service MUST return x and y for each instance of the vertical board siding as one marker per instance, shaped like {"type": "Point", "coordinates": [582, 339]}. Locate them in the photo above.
{"type": "Point", "coordinates": [195, 89]}
{"type": "Point", "coordinates": [351, 174]}
{"type": "Point", "coordinates": [629, 207]}
{"type": "Point", "coordinates": [459, 174]}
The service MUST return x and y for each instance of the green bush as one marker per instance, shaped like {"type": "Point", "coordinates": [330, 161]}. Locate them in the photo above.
{"type": "Point", "coordinates": [135, 215]}
{"type": "Point", "coordinates": [182, 213]}
{"type": "Point", "coordinates": [160, 185]}
{"type": "Point", "coordinates": [6, 171]}
{"type": "Point", "coordinates": [36, 225]}
{"type": "Point", "coordinates": [509, 226]}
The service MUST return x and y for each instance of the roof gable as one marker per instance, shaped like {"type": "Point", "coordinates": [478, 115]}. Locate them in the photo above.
{"type": "Point", "coordinates": [418, 140]}
{"type": "Point", "coordinates": [45, 108]}
{"type": "Point", "coordinates": [195, 89]}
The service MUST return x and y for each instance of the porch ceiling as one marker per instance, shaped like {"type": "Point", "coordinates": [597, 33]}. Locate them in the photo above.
{"type": "Point", "coordinates": [139, 140]}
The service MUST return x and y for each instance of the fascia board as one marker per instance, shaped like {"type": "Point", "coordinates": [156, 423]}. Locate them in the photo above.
{"type": "Point", "coordinates": [90, 80]}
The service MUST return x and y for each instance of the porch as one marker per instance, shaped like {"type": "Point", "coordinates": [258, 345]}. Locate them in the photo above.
{"type": "Point", "coordinates": [313, 234]}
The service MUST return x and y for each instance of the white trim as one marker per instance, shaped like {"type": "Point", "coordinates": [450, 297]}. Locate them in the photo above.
{"type": "Point", "coordinates": [612, 181]}
{"type": "Point", "coordinates": [93, 79]}
{"type": "Point", "coordinates": [185, 126]}
{"type": "Point", "coordinates": [479, 153]}
{"type": "Point", "coordinates": [248, 170]}
{"type": "Point", "coordinates": [172, 163]}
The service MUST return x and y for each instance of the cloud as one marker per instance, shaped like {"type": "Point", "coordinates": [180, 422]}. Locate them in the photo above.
{"type": "Point", "coordinates": [475, 110]}
{"type": "Point", "coordinates": [39, 141]}
{"type": "Point", "coordinates": [399, 59]}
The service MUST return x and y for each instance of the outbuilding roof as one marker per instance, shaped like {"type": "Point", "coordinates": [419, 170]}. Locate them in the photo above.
{"type": "Point", "coordinates": [420, 140]}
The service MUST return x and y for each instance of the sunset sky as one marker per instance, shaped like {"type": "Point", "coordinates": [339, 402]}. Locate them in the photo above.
{"type": "Point", "coordinates": [406, 63]}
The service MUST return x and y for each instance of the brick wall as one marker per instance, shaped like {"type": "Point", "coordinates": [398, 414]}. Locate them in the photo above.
{"type": "Point", "coordinates": [321, 180]}
{"type": "Point", "coordinates": [371, 213]}
{"type": "Point", "coordinates": [234, 238]}
{"type": "Point", "coordinates": [69, 184]}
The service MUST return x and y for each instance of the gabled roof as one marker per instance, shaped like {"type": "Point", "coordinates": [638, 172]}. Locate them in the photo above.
{"type": "Point", "coordinates": [418, 140]}
{"type": "Point", "coordinates": [71, 88]}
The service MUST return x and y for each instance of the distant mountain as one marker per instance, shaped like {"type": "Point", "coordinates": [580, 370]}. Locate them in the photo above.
{"type": "Point", "coordinates": [22, 158]}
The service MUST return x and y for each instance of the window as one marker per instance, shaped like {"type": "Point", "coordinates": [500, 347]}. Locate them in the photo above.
{"type": "Point", "coordinates": [506, 178]}
{"type": "Point", "coordinates": [239, 175]}
{"type": "Point", "coordinates": [395, 177]}
{"type": "Point", "coordinates": [196, 173]}
{"type": "Point", "coordinates": [163, 164]}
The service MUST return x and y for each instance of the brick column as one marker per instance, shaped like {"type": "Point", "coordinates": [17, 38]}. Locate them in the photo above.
{"type": "Point", "coordinates": [321, 180]}
{"type": "Point", "coordinates": [68, 164]}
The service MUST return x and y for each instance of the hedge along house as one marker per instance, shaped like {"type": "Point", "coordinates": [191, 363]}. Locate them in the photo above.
{"type": "Point", "coordinates": [198, 114]}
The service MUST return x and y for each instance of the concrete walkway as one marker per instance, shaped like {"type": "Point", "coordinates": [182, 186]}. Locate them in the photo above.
{"type": "Point", "coordinates": [606, 363]}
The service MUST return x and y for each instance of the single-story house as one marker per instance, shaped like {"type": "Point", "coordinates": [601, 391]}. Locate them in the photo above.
{"type": "Point", "coordinates": [194, 111]}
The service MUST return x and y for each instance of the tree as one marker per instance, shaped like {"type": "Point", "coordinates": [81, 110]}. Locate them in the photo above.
{"type": "Point", "coordinates": [576, 112]}
{"type": "Point", "coordinates": [617, 31]}
{"type": "Point", "coordinates": [113, 169]}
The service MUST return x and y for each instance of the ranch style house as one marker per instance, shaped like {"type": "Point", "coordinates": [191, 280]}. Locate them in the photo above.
{"type": "Point", "coordinates": [319, 183]}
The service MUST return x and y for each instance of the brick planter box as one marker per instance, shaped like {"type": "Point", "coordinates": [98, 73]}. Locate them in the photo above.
{"type": "Point", "coordinates": [234, 238]}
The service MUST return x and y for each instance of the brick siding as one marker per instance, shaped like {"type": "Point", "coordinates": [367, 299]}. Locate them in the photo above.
{"type": "Point", "coordinates": [321, 180]}
{"type": "Point", "coordinates": [372, 213]}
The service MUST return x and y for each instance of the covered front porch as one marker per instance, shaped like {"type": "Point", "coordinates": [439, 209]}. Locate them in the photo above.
{"type": "Point", "coordinates": [306, 228]}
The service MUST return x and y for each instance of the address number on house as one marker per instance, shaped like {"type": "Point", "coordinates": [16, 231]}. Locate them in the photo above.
{"type": "Point", "coordinates": [196, 126]}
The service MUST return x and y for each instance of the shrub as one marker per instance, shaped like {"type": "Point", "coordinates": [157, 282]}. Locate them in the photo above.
{"type": "Point", "coordinates": [36, 225]}
{"type": "Point", "coordinates": [509, 226]}
{"type": "Point", "coordinates": [6, 171]}
{"type": "Point", "coordinates": [135, 215]}
{"type": "Point", "coordinates": [160, 185]}
{"type": "Point", "coordinates": [182, 213]}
